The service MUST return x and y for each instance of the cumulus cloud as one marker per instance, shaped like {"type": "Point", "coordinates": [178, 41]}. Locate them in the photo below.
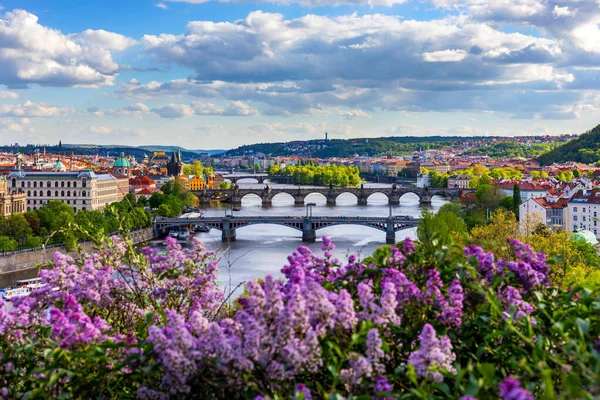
{"type": "Point", "coordinates": [8, 95]}
{"type": "Point", "coordinates": [234, 108]}
{"type": "Point", "coordinates": [29, 109]}
{"type": "Point", "coordinates": [32, 53]}
{"type": "Point", "coordinates": [162, 5]}
{"type": "Point", "coordinates": [445, 56]}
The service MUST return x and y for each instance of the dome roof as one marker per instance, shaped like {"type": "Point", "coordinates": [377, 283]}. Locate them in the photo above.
{"type": "Point", "coordinates": [122, 162]}
{"type": "Point", "coordinates": [585, 235]}
{"type": "Point", "coordinates": [59, 165]}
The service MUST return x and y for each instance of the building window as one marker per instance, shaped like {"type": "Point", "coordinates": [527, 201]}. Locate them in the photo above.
{"type": "Point", "coordinates": [29, 193]}
{"type": "Point", "coordinates": [583, 218]}
{"type": "Point", "coordinates": [28, 184]}
{"type": "Point", "coordinates": [48, 184]}
{"type": "Point", "coordinates": [62, 193]}
{"type": "Point", "coordinates": [56, 193]}
{"type": "Point", "coordinates": [55, 184]}
{"type": "Point", "coordinates": [83, 194]}
{"type": "Point", "coordinates": [68, 184]}
{"type": "Point", "coordinates": [49, 193]}
{"type": "Point", "coordinates": [574, 217]}
{"type": "Point", "coordinates": [583, 209]}
{"type": "Point", "coordinates": [62, 184]}
{"type": "Point", "coordinates": [83, 183]}
{"type": "Point", "coordinates": [68, 193]}
{"type": "Point", "coordinates": [595, 214]}
{"type": "Point", "coordinates": [595, 223]}
{"type": "Point", "coordinates": [574, 209]}
{"type": "Point", "coordinates": [75, 184]}
{"type": "Point", "coordinates": [68, 201]}
{"type": "Point", "coordinates": [34, 184]}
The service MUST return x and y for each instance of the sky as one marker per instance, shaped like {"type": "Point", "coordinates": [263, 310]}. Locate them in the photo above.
{"type": "Point", "coordinates": [217, 74]}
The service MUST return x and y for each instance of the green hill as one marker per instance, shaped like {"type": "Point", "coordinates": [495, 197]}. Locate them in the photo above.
{"type": "Point", "coordinates": [584, 149]}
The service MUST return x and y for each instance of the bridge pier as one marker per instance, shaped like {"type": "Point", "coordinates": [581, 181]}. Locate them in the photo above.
{"type": "Point", "coordinates": [299, 200]}
{"type": "Point", "coordinates": [425, 199]}
{"type": "Point", "coordinates": [394, 200]}
{"type": "Point", "coordinates": [390, 233]}
{"type": "Point", "coordinates": [227, 234]}
{"type": "Point", "coordinates": [309, 235]}
{"type": "Point", "coordinates": [267, 201]}
{"type": "Point", "coordinates": [236, 201]}
{"type": "Point", "coordinates": [362, 200]}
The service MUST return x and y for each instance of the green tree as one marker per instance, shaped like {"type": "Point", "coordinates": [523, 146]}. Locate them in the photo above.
{"type": "Point", "coordinates": [165, 211]}
{"type": "Point", "coordinates": [516, 199]}
{"type": "Point", "coordinates": [7, 244]}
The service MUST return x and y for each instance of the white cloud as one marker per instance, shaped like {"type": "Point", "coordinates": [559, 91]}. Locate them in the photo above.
{"type": "Point", "coordinates": [32, 53]}
{"type": "Point", "coordinates": [104, 39]}
{"type": "Point", "coordinates": [565, 11]}
{"type": "Point", "coordinates": [353, 114]}
{"type": "Point", "coordinates": [8, 95]}
{"type": "Point", "coordinates": [308, 3]}
{"type": "Point", "coordinates": [174, 111]}
{"type": "Point", "coordinates": [445, 56]}
{"type": "Point", "coordinates": [163, 6]}
{"type": "Point", "coordinates": [29, 109]}
{"type": "Point", "coordinates": [117, 132]}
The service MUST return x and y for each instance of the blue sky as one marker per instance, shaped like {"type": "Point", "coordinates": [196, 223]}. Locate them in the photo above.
{"type": "Point", "coordinates": [220, 73]}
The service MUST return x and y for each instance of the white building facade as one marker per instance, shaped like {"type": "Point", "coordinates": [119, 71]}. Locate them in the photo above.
{"type": "Point", "coordinates": [584, 211]}
{"type": "Point", "coordinates": [83, 190]}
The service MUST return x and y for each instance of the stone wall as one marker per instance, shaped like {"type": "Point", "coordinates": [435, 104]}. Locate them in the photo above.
{"type": "Point", "coordinates": [25, 264]}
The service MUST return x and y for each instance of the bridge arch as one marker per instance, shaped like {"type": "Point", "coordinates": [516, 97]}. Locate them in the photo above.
{"type": "Point", "coordinates": [283, 198]}
{"type": "Point", "coordinates": [378, 197]}
{"type": "Point", "coordinates": [410, 196]}
{"type": "Point", "coordinates": [346, 199]}
{"type": "Point", "coordinates": [315, 197]}
{"type": "Point", "coordinates": [247, 181]}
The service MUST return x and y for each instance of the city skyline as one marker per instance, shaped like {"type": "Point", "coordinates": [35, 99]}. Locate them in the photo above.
{"type": "Point", "coordinates": [218, 74]}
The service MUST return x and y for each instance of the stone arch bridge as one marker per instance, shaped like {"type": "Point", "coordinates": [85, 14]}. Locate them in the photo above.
{"type": "Point", "coordinates": [299, 193]}
{"type": "Point", "coordinates": [307, 225]}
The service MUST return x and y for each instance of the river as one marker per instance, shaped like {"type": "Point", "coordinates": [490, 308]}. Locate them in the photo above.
{"type": "Point", "coordinates": [263, 249]}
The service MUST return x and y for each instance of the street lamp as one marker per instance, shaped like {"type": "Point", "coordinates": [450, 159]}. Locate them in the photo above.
{"type": "Point", "coordinates": [309, 207]}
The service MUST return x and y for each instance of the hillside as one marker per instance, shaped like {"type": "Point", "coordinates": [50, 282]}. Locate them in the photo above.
{"type": "Point", "coordinates": [584, 149]}
{"type": "Point", "coordinates": [349, 147]}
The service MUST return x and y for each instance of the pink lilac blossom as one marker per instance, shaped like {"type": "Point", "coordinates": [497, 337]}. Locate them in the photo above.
{"type": "Point", "coordinates": [516, 307]}
{"type": "Point", "coordinates": [408, 247]}
{"type": "Point", "coordinates": [434, 355]}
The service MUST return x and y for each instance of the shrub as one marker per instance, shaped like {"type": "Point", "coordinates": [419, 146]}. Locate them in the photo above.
{"type": "Point", "coordinates": [117, 323]}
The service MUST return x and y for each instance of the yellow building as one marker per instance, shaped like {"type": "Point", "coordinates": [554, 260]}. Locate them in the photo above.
{"type": "Point", "coordinates": [197, 183]}
{"type": "Point", "coordinates": [11, 201]}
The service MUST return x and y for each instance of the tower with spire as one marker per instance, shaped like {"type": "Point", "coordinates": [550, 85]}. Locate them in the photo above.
{"type": "Point", "coordinates": [175, 166]}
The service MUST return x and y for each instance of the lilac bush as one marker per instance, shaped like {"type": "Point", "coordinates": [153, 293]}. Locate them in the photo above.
{"type": "Point", "coordinates": [121, 323]}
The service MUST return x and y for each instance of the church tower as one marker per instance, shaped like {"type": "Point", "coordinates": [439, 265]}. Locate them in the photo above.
{"type": "Point", "coordinates": [175, 166]}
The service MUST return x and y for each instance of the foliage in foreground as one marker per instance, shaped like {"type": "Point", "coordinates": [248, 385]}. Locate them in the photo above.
{"type": "Point", "coordinates": [122, 324]}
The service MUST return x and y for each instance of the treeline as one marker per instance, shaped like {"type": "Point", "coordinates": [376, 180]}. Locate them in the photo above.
{"type": "Point", "coordinates": [477, 173]}
{"type": "Point", "coordinates": [197, 168]}
{"type": "Point", "coordinates": [310, 174]}
{"type": "Point", "coordinates": [52, 224]}
{"type": "Point", "coordinates": [585, 149]}
{"type": "Point", "coordinates": [513, 150]}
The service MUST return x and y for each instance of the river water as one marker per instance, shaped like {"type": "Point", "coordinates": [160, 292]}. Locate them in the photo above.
{"type": "Point", "coordinates": [263, 249]}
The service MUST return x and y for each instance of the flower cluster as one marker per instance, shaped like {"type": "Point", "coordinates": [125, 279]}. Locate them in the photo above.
{"type": "Point", "coordinates": [434, 356]}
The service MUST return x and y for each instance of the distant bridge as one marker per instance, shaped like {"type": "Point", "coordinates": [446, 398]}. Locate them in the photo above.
{"type": "Point", "coordinates": [307, 225]}
{"type": "Point", "coordinates": [233, 178]}
{"type": "Point", "coordinates": [299, 193]}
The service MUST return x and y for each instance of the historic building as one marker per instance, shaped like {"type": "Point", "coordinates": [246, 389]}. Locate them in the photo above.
{"type": "Point", "coordinates": [122, 166]}
{"type": "Point", "coordinates": [175, 166]}
{"type": "Point", "coordinates": [198, 182]}
{"type": "Point", "coordinates": [159, 158]}
{"type": "Point", "coordinates": [83, 190]}
{"type": "Point", "coordinates": [12, 201]}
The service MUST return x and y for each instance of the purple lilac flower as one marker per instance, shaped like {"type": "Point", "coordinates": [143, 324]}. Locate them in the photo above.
{"type": "Point", "coordinates": [374, 352]}
{"type": "Point", "coordinates": [382, 385]}
{"type": "Point", "coordinates": [510, 389]}
{"type": "Point", "coordinates": [485, 261]}
{"type": "Point", "coordinates": [516, 307]}
{"type": "Point", "coordinates": [302, 392]}
{"type": "Point", "coordinates": [452, 315]}
{"type": "Point", "coordinates": [433, 355]}
{"type": "Point", "coordinates": [408, 246]}
{"type": "Point", "coordinates": [468, 398]}
{"type": "Point", "coordinates": [433, 293]}
{"type": "Point", "coordinates": [532, 269]}
{"type": "Point", "coordinates": [345, 316]}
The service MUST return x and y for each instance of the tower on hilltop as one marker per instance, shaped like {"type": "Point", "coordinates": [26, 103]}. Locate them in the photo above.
{"type": "Point", "coordinates": [326, 136]}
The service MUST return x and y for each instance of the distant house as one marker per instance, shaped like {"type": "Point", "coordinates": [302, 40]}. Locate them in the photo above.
{"type": "Point", "coordinates": [529, 190]}
{"type": "Point", "coordinates": [584, 211]}
{"type": "Point", "coordinates": [549, 211]}
{"type": "Point", "coordinates": [423, 181]}
{"type": "Point", "coordinates": [459, 181]}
